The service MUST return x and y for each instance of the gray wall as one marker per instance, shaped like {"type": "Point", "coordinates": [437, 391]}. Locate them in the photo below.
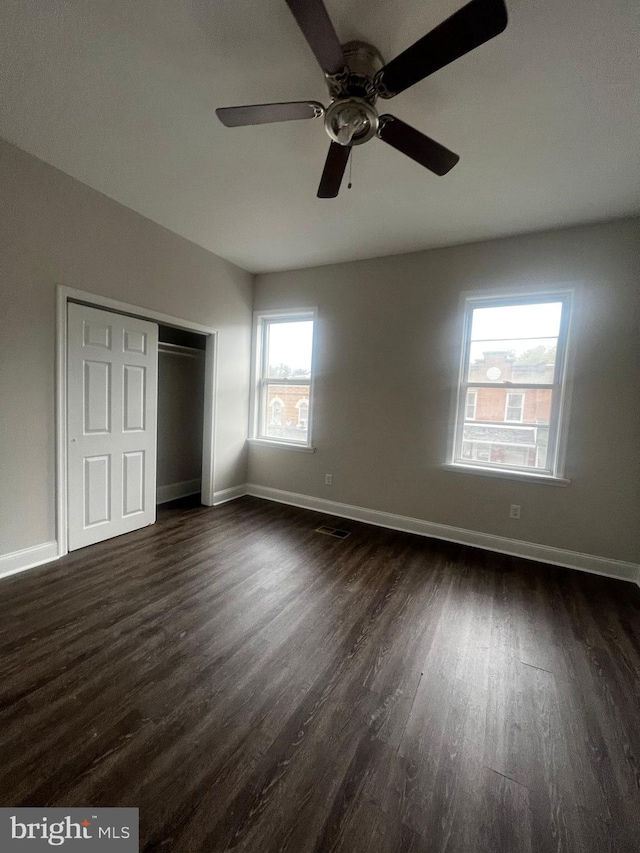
{"type": "Point", "coordinates": [388, 342]}
{"type": "Point", "coordinates": [55, 230]}
{"type": "Point", "coordinates": [180, 417]}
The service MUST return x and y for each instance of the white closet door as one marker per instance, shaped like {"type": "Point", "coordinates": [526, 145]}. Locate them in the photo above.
{"type": "Point", "coordinates": [112, 373]}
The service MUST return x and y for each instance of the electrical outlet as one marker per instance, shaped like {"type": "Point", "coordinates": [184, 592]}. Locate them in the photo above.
{"type": "Point", "coordinates": [328, 479]}
{"type": "Point", "coordinates": [514, 512]}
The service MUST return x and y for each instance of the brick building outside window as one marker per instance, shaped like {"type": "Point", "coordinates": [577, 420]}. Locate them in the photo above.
{"type": "Point", "coordinates": [505, 426]}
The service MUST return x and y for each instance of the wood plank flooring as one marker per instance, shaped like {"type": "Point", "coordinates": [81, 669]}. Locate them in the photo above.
{"type": "Point", "coordinates": [252, 685]}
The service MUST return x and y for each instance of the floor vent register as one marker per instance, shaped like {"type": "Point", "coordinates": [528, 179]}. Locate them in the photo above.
{"type": "Point", "coordinates": [333, 531]}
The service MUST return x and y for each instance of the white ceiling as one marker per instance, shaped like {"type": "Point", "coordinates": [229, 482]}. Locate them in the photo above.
{"type": "Point", "coordinates": [121, 95]}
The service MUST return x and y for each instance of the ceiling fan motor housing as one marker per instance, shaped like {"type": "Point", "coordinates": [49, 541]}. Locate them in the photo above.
{"type": "Point", "coordinates": [351, 118]}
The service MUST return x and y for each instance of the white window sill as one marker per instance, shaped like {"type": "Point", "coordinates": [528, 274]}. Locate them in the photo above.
{"type": "Point", "coordinates": [282, 445]}
{"type": "Point", "coordinates": [506, 475]}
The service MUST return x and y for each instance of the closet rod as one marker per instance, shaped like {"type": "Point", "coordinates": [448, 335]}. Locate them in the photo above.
{"type": "Point", "coordinates": [180, 348]}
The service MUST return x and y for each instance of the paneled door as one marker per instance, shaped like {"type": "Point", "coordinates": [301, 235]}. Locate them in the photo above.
{"type": "Point", "coordinates": [112, 379]}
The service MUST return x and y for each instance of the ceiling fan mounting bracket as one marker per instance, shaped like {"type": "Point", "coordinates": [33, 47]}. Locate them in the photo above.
{"type": "Point", "coordinates": [382, 121]}
{"type": "Point", "coordinates": [379, 86]}
{"type": "Point", "coordinates": [338, 83]}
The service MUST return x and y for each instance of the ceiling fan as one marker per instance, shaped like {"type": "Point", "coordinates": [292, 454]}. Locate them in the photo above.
{"type": "Point", "coordinates": [356, 76]}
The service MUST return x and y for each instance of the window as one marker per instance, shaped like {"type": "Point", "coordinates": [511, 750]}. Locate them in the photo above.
{"type": "Point", "coordinates": [303, 413]}
{"type": "Point", "coordinates": [515, 407]}
{"type": "Point", "coordinates": [472, 400]}
{"type": "Point", "coordinates": [276, 407]}
{"type": "Point", "coordinates": [282, 367]}
{"type": "Point", "coordinates": [512, 380]}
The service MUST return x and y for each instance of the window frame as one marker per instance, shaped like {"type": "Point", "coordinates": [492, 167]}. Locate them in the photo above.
{"type": "Point", "coordinates": [560, 387]}
{"type": "Point", "coordinates": [260, 382]}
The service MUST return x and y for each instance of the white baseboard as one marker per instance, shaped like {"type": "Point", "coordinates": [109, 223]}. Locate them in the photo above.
{"type": "Point", "coordinates": [27, 558]}
{"type": "Point", "coordinates": [173, 491]}
{"type": "Point", "coordinates": [226, 495]}
{"type": "Point", "coordinates": [515, 547]}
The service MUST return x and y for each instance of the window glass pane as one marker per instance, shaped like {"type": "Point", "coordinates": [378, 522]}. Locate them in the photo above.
{"type": "Point", "coordinates": [537, 320]}
{"type": "Point", "coordinates": [511, 429]}
{"type": "Point", "coordinates": [531, 405]}
{"type": "Point", "coordinates": [513, 360]}
{"type": "Point", "coordinates": [289, 350]}
{"type": "Point", "coordinates": [511, 343]}
{"type": "Point", "coordinates": [287, 411]}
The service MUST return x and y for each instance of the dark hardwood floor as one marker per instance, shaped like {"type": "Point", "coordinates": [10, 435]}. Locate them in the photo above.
{"type": "Point", "coordinates": [253, 685]}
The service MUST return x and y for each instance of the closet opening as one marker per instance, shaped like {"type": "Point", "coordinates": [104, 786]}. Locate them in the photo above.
{"type": "Point", "coordinates": [181, 392]}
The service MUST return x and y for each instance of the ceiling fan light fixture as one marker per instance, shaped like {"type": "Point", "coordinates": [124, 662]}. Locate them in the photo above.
{"type": "Point", "coordinates": [351, 121]}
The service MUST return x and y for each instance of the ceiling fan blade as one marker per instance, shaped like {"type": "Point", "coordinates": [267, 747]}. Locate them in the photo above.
{"type": "Point", "coordinates": [466, 29]}
{"type": "Point", "coordinates": [265, 113]}
{"type": "Point", "coordinates": [334, 167]}
{"type": "Point", "coordinates": [315, 23]}
{"type": "Point", "coordinates": [416, 145]}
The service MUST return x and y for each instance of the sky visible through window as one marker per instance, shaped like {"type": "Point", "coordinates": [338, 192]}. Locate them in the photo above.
{"type": "Point", "coordinates": [516, 328]}
{"type": "Point", "coordinates": [290, 344]}
{"type": "Point", "coordinates": [517, 322]}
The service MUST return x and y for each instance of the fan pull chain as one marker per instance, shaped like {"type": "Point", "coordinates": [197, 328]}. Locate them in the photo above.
{"type": "Point", "coordinates": [349, 185]}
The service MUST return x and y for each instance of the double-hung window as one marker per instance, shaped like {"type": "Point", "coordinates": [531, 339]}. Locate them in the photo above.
{"type": "Point", "coordinates": [512, 383]}
{"type": "Point", "coordinates": [282, 407]}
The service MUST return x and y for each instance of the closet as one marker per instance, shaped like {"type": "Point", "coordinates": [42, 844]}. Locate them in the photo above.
{"type": "Point", "coordinates": [181, 371]}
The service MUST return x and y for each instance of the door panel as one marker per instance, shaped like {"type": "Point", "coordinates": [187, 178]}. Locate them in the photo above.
{"type": "Point", "coordinates": [135, 341]}
{"type": "Point", "coordinates": [134, 398]}
{"type": "Point", "coordinates": [97, 334]}
{"type": "Point", "coordinates": [111, 424]}
{"type": "Point", "coordinates": [133, 482]}
{"type": "Point", "coordinates": [97, 490]}
{"type": "Point", "coordinates": [97, 397]}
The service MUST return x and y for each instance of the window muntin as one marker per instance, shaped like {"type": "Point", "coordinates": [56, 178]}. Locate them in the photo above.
{"type": "Point", "coordinates": [513, 361]}
{"type": "Point", "coordinates": [283, 366]}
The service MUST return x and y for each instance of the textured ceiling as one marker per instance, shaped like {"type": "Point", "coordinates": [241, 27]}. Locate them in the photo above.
{"type": "Point", "coordinates": [121, 95]}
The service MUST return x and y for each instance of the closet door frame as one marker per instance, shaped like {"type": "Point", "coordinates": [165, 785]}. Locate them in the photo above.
{"type": "Point", "coordinates": [69, 294]}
